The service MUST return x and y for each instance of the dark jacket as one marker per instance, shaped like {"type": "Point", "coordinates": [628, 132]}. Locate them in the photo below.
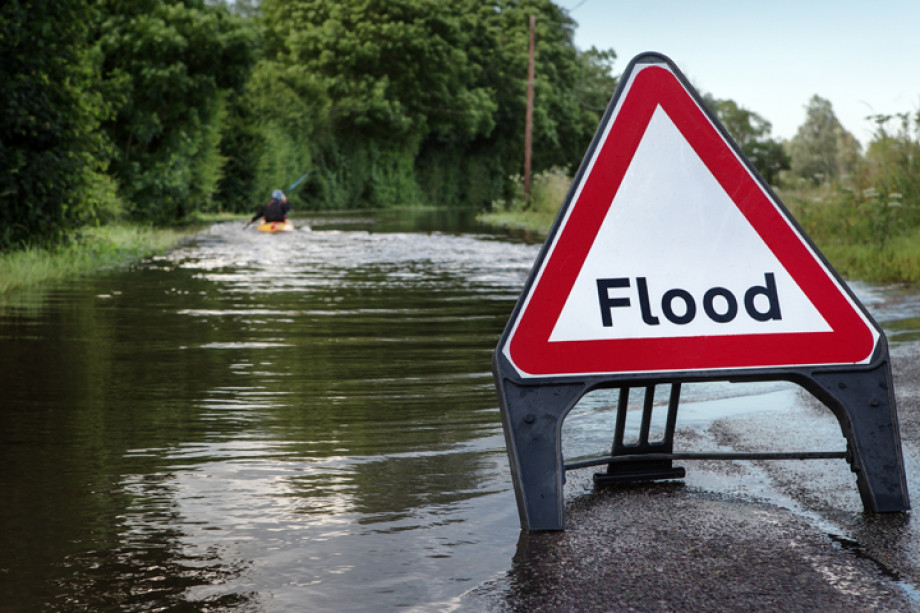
{"type": "Point", "coordinates": [274, 210]}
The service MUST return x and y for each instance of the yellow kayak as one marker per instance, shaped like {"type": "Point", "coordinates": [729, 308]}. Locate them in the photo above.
{"type": "Point", "coordinates": [276, 226]}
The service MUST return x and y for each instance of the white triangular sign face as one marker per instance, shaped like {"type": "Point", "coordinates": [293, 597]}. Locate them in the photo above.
{"type": "Point", "coordinates": [672, 256]}
{"type": "Point", "coordinates": [673, 225]}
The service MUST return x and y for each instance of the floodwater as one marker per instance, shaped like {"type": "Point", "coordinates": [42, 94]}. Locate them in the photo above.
{"type": "Point", "coordinates": [290, 422]}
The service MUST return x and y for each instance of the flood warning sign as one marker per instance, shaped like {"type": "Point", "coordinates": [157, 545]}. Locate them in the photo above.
{"type": "Point", "coordinates": [671, 255]}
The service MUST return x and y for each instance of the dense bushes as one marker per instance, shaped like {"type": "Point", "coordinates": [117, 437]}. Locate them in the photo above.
{"type": "Point", "coordinates": [112, 108]}
{"type": "Point", "coordinates": [152, 110]}
{"type": "Point", "coordinates": [52, 154]}
{"type": "Point", "coordinates": [167, 67]}
{"type": "Point", "coordinates": [862, 210]}
{"type": "Point", "coordinates": [416, 101]}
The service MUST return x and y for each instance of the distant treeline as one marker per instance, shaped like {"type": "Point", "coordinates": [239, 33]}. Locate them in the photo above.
{"type": "Point", "coordinates": [151, 110]}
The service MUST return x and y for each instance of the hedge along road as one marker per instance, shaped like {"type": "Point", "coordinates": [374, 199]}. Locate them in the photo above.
{"type": "Point", "coordinates": [274, 423]}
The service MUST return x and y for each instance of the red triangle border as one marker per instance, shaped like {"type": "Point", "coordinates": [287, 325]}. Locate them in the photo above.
{"type": "Point", "coordinates": [852, 339]}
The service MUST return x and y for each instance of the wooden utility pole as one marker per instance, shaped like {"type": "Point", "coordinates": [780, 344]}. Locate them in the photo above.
{"type": "Point", "coordinates": [528, 121]}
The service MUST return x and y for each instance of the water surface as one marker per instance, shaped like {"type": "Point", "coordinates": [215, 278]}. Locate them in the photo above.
{"type": "Point", "coordinates": [260, 420]}
{"type": "Point", "coordinates": [290, 422]}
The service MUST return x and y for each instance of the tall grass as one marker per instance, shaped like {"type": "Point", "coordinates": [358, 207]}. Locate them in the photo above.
{"type": "Point", "coordinates": [869, 234]}
{"type": "Point", "coordinates": [547, 193]}
{"type": "Point", "coordinates": [895, 261]}
{"type": "Point", "coordinates": [91, 250]}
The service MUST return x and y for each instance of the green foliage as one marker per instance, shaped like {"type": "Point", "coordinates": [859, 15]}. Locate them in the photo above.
{"type": "Point", "coordinates": [51, 153]}
{"type": "Point", "coordinates": [166, 66]}
{"type": "Point", "coordinates": [752, 133]}
{"type": "Point", "coordinates": [548, 190]}
{"type": "Point", "coordinates": [423, 101]}
{"type": "Point", "coordinates": [107, 206]}
{"type": "Point", "coordinates": [149, 109]}
{"type": "Point", "coordinates": [596, 85]}
{"type": "Point", "coordinates": [156, 110]}
{"type": "Point", "coordinates": [206, 166]}
{"type": "Point", "coordinates": [240, 146]}
{"type": "Point", "coordinates": [547, 194]}
{"type": "Point", "coordinates": [459, 177]}
{"type": "Point", "coordinates": [865, 233]}
{"type": "Point", "coordinates": [373, 80]}
{"type": "Point", "coordinates": [863, 212]}
{"type": "Point", "coordinates": [244, 8]}
{"type": "Point", "coordinates": [285, 116]}
{"type": "Point", "coordinates": [90, 250]}
{"type": "Point", "coordinates": [358, 173]}
{"type": "Point", "coordinates": [893, 159]}
{"type": "Point", "coordinates": [395, 70]}
{"type": "Point", "coordinates": [898, 261]}
{"type": "Point", "coordinates": [879, 205]}
{"type": "Point", "coordinates": [822, 150]}
{"type": "Point", "coordinates": [563, 124]}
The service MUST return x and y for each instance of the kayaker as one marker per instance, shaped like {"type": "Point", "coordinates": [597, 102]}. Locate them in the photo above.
{"type": "Point", "coordinates": [275, 209]}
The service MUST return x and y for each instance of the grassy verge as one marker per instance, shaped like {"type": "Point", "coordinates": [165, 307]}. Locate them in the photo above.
{"type": "Point", "coordinates": [864, 235]}
{"type": "Point", "coordinates": [537, 222]}
{"type": "Point", "coordinates": [895, 261]}
{"type": "Point", "coordinates": [548, 190]}
{"type": "Point", "coordinates": [91, 250]}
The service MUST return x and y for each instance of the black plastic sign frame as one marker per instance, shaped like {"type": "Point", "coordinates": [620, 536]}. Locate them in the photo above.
{"type": "Point", "coordinates": [540, 374]}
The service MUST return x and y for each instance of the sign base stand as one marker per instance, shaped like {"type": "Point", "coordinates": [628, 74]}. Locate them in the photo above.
{"type": "Point", "coordinates": [639, 469]}
{"type": "Point", "coordinates": [861, 399]}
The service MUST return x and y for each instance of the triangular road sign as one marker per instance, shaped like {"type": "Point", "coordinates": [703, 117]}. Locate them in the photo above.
{"type": "Point", "coordinates": [671, 254]}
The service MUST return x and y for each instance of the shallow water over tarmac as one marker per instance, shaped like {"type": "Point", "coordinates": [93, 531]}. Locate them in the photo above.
{"type": "Point", "coordinates": [287, 422]}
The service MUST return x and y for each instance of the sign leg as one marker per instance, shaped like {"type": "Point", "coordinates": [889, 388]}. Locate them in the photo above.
{"type": "Point", "coordinates": [864, 404]}
{"type": "Point", "coordinates": [532, 418]}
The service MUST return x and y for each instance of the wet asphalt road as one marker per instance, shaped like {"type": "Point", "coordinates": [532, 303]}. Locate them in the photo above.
{"type": "Point", "coordinates": [731, 536]}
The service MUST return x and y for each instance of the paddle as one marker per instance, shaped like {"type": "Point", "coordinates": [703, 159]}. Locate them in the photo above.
{"type": "Point", "coordinates": [298, 182]}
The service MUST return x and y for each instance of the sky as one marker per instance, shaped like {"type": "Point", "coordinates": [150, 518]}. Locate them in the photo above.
{"type": "Point", "coordinates": [772, 57]}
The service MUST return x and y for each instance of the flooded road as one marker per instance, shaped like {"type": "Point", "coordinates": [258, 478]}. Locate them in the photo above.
{"type": "Point", "coordinates": [259, 420]}
{"type": "Point", "coordinates": [297, 422]}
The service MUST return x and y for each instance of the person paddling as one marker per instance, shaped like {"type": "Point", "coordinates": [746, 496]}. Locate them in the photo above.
{"type": "Point", "coordinates": [275, 210]}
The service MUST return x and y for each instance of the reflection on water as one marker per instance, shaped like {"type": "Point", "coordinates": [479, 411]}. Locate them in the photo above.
{"type": "Point", "coordinates": [896, 309]}
{"type": "Point", "coordinates": [280, 423]}
{"type": "Point", "coordinates": [256, 421]}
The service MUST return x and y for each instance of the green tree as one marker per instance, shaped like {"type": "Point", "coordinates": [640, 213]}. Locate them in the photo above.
{"type": "Point", "coordinates": [893, 166]}
{"type": "Point", "coordinates": [245, 8]}
{"type": "Point", "coordinates": [52, 157]}
{"type": "Point", "coordinates": [394, 69]}
{"type": "Point", "coordinates": [596, 83]}
{"type": "Point", "coordinates": [571, 90]}
{"type": "Point", "coordinates": [562, 124]}
{"type": "Point", "coordinates": [395, 73]}
{"type": "Point", "coordinates": [752, 133]}
{"type": "Point", "coordinates": [894, 153]}
{"type": "Point", "coordinates": [168, 66]}
{"type": "Point", "coordinates": [287, 115]}
{"type": "Point", "coordinates": [822, 150]}
{"type": "Point", "coordinates": [426, 98]}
